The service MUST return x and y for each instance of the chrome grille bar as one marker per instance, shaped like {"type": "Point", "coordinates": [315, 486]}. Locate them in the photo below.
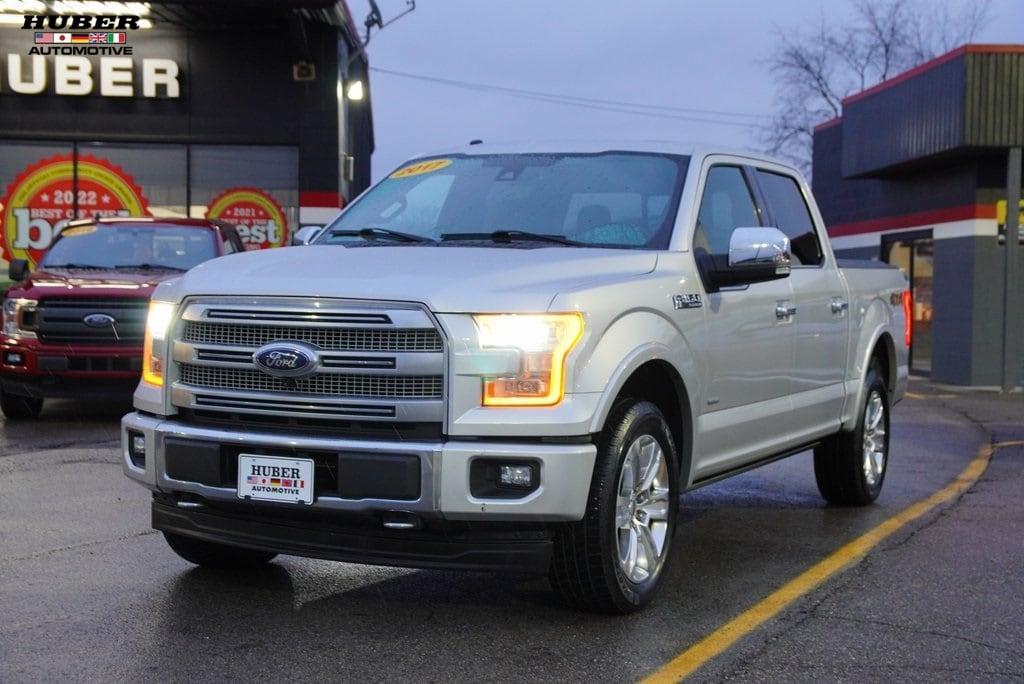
{"type": "Point", "coordinates": [333, 384]}
{"type": "Point", "coordinates": [329, 339]}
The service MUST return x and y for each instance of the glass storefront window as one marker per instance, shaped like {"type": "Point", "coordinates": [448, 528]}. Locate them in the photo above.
{"type": "Point", "coordinates": [253, 188]}
{"type": "Point", "coordinates": [915, 258]}
{"type": "Point", "coordinates": [43, 185]}
{"type": "Point", "coordinates": [160, 172]}
{"type": "Point", "coordinates": [31, 211]}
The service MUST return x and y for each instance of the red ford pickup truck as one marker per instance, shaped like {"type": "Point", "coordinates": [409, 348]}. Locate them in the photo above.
{"type": "Point", "coordinates": [74, 327]}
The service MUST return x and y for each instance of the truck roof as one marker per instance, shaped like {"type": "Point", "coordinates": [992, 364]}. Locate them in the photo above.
{"type": "Point", "coordinates": [593, 146]}
{"type": "Point", "coordinates": [156, 220]}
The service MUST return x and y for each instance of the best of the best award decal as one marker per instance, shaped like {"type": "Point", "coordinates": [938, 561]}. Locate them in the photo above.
{"type": "Point", "coordinates": [41, 200]}
{"type": "Point", "coordinates": [256, 215]}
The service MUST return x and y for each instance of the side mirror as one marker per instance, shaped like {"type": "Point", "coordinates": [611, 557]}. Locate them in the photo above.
{"type": "Point", "coordinates": [17, 270]}
{"type": "Point", "coordinates": [306, 234]}
{"type": "Point", "coordinates": [755, 255]}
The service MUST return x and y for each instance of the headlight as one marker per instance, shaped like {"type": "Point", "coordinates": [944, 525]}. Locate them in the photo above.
{"type": "Point", "coordinates": [153, 347]}
{"type": "Point", "coordinates": [543, 342]}
{"type": "Point", "coordinates": [20, 317]}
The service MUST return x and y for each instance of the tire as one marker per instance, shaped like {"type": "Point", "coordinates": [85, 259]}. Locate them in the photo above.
{"type": "Point", "coordinates": [586, 570]}
{"type": "Point", "coordinates": [16, 407]}
{"type": "Point", "coordinates": [850, 466]}
{"type": "Point", "coordinates": [212, 555]}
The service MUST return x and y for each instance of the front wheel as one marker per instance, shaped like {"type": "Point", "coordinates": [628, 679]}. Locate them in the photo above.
{"type": "Point", "coordinates": [613, 559]}
{"type": "Point", "coordinates": [20, 408]}
{"type": "Point", "coordinates": [850, 467]}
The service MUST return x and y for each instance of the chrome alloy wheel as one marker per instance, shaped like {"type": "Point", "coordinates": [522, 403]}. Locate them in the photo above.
{"type": "Point", "coordinates": [874, 439]}
{"type": "Point", "coordinates": [642, 508]}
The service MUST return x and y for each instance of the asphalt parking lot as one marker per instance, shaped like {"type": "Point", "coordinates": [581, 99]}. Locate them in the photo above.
{"type": "Point", "coordinates": [89, 592]}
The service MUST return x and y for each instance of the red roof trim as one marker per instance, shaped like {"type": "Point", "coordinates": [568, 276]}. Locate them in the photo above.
{"type": "Point", "coordinates": [931, 64]}
{"type": "Point", "coordinates": [920, 218]}
{"type": "Point", "coordinates": [313, 198]}
{"type": "Point", "coordinates": [835, 121]}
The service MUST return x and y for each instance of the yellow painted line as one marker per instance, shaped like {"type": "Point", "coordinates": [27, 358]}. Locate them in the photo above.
{"type": "Point", "coordinates": [728, 634]}
{"type": "Point", "coordinates": [918, 395]}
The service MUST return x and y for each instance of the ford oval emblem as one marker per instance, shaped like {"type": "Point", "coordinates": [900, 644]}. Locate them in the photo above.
{"type": "Point", "coordinates": [286, 359]}
{"type": "Point", "coordinates": [99, 320]}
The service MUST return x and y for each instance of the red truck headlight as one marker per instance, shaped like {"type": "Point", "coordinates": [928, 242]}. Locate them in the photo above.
{"type": "Point", "coordinates": [153, 347]}
{"type": "Point", "coordinates": [20, 317]}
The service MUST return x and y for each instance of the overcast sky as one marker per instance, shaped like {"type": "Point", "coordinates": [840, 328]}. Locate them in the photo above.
{"type": "Point", "coordinates": [673, 53]}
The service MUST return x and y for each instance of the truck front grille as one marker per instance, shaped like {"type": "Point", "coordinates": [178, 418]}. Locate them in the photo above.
{"type": "Point", "coordinates": [379, 363]}
{"type": "Point", "coordinates": [61, 320]}
{"type": "Point", "coordinates": [333, 384]}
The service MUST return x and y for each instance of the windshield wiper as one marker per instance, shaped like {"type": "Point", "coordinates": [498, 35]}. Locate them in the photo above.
{"type": "Point", "coordinates": [375, 233]}
{"type": "Point", "coordinates": [74, 265]}
{"type": "Point", "coordinates": [150, 267]}
{"type": "Point", "coordinates": [512, 235]}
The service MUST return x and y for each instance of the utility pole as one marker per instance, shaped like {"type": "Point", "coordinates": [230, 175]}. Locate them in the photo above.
{"type": "Point", "coordinates": [1012, 282]}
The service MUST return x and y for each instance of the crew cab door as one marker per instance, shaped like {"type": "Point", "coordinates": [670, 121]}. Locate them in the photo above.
{"type": "Point", "coordinates": [822, 319]}
{"type": "Point", "coordinates": [748, 346]}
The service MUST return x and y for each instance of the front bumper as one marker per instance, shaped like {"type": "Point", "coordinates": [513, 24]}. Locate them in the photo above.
{"type": "Point", "coordinates": [440, 544]}
{"type": "Point", "coordinates": [444, 491]}
{"type": "Point", "coordinates": [94, 371]}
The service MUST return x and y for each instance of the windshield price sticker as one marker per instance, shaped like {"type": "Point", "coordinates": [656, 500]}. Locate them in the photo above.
{"type": "Point", "coordinates": [258, 218]}
{"type": "Point", "coordinates": [43, 198]}
{"type": "Point", "coordinates": [420, 168]}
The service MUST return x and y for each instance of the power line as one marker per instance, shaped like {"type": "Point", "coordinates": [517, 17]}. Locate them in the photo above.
{"type": "Point", "coordinates": [661, 111]}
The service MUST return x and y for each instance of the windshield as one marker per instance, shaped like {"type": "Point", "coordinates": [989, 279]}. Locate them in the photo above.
{"type": "Point", "coordinates": [149, 246]}
{"type": "Point", "coordinates": [610, 199]}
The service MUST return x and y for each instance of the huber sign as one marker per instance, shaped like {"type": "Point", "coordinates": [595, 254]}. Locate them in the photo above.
{"type": "Point", "coordinates": [256, 215]}
{"type": "Point", "coordinates": [42, 198]}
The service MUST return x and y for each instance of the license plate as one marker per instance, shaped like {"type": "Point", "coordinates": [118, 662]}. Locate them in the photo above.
{"type": "Point", "coordinates": [269, 478]}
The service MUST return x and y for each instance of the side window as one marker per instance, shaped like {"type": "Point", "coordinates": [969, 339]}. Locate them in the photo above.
{"type": "Point", "coordinates": [725, 205]}
{"type": "Point", "coordinates": [790, 212]}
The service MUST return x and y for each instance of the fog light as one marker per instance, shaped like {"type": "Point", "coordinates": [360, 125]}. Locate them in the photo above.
{"type": "Point", "coordinates": [515, 476]}
{"type": "Point", "coordinates": [14, 359]}
{"type": "Point", "coordinates": [137, 449]}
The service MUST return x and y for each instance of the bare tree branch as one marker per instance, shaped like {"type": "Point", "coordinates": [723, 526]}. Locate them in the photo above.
{"type": "Point", "coordinates": [815, 68]}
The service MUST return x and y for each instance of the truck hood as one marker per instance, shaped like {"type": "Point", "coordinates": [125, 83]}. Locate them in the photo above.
{"type": "Point", "coordinates": [445, 279]}
{"type": "Point", "coordinates": [119, 284]}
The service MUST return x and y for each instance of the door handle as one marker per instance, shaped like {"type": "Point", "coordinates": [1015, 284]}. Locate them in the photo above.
{"type": "Point", "coordinates": [839, 306]}
{"type": "Point", "coordinates": [783, 310]}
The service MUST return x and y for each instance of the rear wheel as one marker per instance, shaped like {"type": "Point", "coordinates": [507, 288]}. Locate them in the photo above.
{"type": "Point", "coordinates": [213, 555]}
{"type": "Point", "coordinates": [613, 559]}
{"type": "Point", "coordinates": [850, 466]}
{"type": "Point", "coordinates": [20, 408]}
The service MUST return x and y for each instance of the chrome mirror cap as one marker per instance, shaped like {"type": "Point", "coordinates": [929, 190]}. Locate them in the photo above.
{"type": "Point", "coordinates": [760, 246]}
{"type": "Point", "coordinates": [306, 234]}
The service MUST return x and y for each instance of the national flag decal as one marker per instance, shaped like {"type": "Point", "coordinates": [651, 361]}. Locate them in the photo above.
{"type": "Point", "coordinates": [47, 38]}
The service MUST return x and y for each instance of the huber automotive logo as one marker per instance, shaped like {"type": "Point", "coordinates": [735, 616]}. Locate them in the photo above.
{"type": "Point", "coordinates": [286, 359]}
{"type": "Point", "coordinates": [80, 35]}
{"type": "Point", "coordinates": [55, 65]}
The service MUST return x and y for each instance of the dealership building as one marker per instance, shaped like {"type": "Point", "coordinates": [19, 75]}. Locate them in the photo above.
{"type": "Point", "coordinates": [252, 111]}
{"type": "Point", "coordinates": [915, 172]}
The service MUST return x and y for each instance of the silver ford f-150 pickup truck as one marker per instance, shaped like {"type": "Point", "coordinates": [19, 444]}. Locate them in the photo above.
{"type": "Point", "coordinates": [517, 358]}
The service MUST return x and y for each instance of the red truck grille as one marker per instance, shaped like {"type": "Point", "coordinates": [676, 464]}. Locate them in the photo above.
{"type": "Point", "coordinates": [63, 321]}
